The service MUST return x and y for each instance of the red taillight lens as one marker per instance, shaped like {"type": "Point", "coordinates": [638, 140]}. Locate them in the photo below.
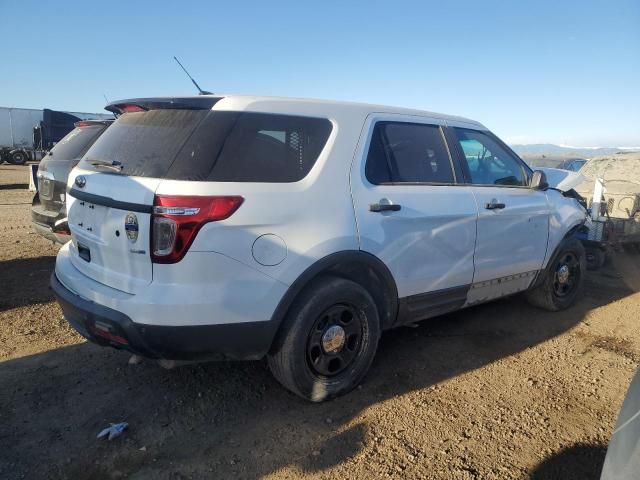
{"type": "Point", "coordinates": [177, 220]}
{"type": "Point", "coordinates": [130, 107]}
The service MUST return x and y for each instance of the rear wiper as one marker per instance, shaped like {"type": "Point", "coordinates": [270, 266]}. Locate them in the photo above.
{"type": "Point", "coordinates": [114, 165]}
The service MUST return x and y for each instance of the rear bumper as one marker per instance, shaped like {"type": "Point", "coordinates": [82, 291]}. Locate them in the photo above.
{"type": "Point", "coordinates": [46, 222]}
{"type": "Point", "coordinates": [109, 327]}
{"type": "Point", "coordinates": [47, 232]}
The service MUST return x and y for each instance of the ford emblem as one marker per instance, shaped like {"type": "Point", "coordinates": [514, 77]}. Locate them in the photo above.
{"type": "Point", "coordinates": [81, 181]}
{"type": "Point", "coordinates": [131, 227]}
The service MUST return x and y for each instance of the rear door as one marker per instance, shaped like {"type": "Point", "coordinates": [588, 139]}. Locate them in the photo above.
{"type": "Point", "coordinates": [411, 213]}
{"type": "Point", "coordinates": [112, 192]}
{"type": "Point", "coordinates": [513, 222]}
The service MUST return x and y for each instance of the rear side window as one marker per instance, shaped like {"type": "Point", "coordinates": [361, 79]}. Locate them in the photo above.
{"type": "Point", "coordinates": [408, 153]}
{"type": "Point", "coordinates": [217, 146]}
{"type": "Point", "coordinates": [76, 142]}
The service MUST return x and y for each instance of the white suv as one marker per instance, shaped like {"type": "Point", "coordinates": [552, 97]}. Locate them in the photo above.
{"type": "Point", "coordinates": [241, 227]}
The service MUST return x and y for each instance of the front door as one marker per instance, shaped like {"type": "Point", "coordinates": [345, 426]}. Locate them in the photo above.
{"type": "Point", "coordinates": [513, 220]}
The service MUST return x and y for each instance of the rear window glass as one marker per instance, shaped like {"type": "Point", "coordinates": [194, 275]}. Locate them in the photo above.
{"type": "Point", "coordinates": [215, 146]}
{"type": "Point", "coordinates": [76, 143]}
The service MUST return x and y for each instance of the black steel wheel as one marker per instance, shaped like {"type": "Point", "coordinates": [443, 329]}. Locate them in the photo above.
{"type": "Point", "coordinates": [561, 283]}
{"type": "Point", "coordinates": [327, 341]}
{"type": "Point", "coordinates": [567, 274]}
{"type": "Point", "coordinates": [335, 340]}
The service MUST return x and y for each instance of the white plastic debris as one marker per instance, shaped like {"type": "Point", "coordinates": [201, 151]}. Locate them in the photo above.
{"type": "Point", "coordinates": [135, 359]}
{"type": "Point", "coordinates": [114, 430]}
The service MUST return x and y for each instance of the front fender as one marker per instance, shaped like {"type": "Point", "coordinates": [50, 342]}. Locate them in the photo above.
{"type": "Point", "coordinates": [565, 215]}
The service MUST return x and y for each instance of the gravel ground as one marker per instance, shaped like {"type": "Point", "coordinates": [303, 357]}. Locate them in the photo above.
{"type": "Point", "coordinates": [498, 391]}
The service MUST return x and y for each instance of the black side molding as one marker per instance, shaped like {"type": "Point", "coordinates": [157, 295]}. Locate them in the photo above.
{"type": "Point", "coordinates": [110, 202]}
{"type": "Point", "coordinates": [431, 304]}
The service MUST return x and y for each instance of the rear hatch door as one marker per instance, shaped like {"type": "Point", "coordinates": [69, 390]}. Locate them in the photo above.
{"type": "Point", "coordinates": [111, 191]}
{"type": "Point", "coordinates": [110, 236]}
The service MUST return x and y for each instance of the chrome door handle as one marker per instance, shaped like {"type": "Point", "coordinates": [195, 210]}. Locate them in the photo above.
{"type": "Point", "coordinates": [384, 205]}
{"type": "Point", "coordinates": [494, 205]}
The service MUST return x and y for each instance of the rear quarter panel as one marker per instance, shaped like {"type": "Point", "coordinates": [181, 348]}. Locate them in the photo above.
{"type": "Point", "coordinates": [313, 217]}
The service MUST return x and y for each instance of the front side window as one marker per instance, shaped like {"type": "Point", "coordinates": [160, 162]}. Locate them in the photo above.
{"type": "Point", "coordinates": [488, 163]}
{"type": "Point", "coordinates": [407, 153]}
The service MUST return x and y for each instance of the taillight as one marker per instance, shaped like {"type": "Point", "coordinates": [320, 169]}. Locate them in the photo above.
{"type": "Point", "coordinates": [177, 220]}
{"type": "Point", "coordinates": [130, 107]}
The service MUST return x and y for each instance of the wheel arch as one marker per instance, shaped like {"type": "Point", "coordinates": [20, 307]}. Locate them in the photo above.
{"type": "Point", "coordinates": [571, 233]}
{"type": "Point", "coordinates": [358, 266]}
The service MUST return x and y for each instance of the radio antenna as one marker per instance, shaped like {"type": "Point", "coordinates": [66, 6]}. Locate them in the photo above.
{"type": "Point", "coordinates": [201, 92]}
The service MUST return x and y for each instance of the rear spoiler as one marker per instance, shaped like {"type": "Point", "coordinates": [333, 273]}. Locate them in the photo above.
{"type": "Point", "coordinates": [203, 102]}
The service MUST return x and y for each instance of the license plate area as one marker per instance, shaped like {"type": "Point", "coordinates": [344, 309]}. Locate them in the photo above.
{"type": "Point", "coordinates": [89, 217]}
{"type": "Point", "coordinates": [84, 252]}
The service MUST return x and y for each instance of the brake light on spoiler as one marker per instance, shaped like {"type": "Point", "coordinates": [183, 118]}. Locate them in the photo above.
{"type": "Point", "coordinates": [130, 107]}
{"type": "Point", "coordinates": [176, 221]}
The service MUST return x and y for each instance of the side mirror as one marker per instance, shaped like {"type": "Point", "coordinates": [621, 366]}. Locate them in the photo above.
{"type": "Point", "coordinates": [539, 180]}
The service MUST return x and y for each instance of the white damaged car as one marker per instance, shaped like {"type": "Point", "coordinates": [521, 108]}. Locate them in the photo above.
{"type": "Point", "coordinates": [242, 227]}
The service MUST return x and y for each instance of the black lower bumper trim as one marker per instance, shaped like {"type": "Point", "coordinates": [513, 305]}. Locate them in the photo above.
{"type": "Point", "coordinates": [108, 327]}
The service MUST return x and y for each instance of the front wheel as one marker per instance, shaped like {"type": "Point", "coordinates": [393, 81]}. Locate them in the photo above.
{"type": "Point", "coordinates": [328, 340]}
{"type": "Point", "coordinates": [563, 279]}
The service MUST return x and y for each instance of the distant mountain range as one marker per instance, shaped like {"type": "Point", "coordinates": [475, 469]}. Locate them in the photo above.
{"type": "Point", "coordinates": [558, 151]}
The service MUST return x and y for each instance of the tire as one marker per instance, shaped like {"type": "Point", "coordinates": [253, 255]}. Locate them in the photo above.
{"type": "Point", "coordinates": [595, 257]}
{"type": "Point", "coordinates": [327, 341]}
{"type": "Point", "coordinates": [553, 294]}
{"type": "Point", "coordinates": [19, 158]}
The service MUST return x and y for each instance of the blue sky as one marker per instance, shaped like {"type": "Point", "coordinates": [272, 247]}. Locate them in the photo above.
{"type": "Point", "coordinates": [565, 72]}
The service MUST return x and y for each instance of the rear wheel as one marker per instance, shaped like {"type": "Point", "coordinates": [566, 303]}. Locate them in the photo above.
{"type": "Point", "coordinates": [328, 340]}
{"type": "Point", "coordinates": [563, 279]}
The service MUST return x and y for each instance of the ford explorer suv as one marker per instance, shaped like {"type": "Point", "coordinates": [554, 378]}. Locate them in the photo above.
{"type": "Point", "coordinates": [48, 209]}
{"type": "Point", "coordinates": [244, 227]}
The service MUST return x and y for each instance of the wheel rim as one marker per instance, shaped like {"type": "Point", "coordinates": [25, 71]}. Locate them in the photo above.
{"type": "Point", "coordinates": [566, 276]}
{"type": "Point", "coordinates": [335, 340]}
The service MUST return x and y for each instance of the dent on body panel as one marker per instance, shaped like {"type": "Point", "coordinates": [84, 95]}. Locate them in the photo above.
{"type": "Point", "coordinates": [437, 249]}
{"type": "Point", "coordinates": [527, 226]}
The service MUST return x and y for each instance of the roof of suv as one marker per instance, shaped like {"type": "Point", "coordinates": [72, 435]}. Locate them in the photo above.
{"type": "Point", "coordinates": [327, 108]}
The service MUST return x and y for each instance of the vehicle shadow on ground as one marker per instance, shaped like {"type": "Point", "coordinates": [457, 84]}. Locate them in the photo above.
{"type": "Point", "coordinates": [14, 186]}
{"type": "Point", "coordinates": [25, 281]}
{"type": "Point", "coordinates": [577, 462]}
{"type": "Point", "coordinates": [232, 419]}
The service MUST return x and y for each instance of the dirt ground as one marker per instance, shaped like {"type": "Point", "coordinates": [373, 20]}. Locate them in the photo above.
{"type": "Point", "coordinates": [498, 391]}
